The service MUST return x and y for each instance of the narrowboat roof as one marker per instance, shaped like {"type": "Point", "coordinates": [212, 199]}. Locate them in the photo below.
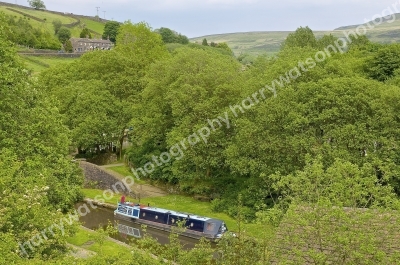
{"type": "Point", "coordinates": [179, 214]}
{"type": "Point", "coordinates": [176, 213]}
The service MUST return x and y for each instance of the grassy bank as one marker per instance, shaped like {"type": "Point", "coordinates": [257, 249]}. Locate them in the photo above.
{"type": "Point", "coordinates": [86, 239]}
{"type": "Point", "coordinates": [186, 204]}
{"type": "Point", "coordinates": [38, 64]}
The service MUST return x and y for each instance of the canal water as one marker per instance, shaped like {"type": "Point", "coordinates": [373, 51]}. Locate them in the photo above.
{"type": "Point", "coordinates": [127, 231]}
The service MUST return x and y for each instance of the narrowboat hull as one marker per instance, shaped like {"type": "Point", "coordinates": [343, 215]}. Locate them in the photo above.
{"type": "Point", "coordinates": [167, 228]}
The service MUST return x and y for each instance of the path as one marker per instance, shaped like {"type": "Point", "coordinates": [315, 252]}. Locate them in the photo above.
{"type": "Point", "coordinates": [79, 252]}
{"type": "Point", "coordinates": [145, 190]}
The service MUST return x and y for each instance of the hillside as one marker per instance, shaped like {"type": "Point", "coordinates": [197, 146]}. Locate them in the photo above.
{"type": "Point", "coordinates": [43, 19]}
{"type": "Point", "coordinates": [253, 43]}
{"type": "Point", "coordinates": [39, 63]}
{"type": "Point", "coordinates": [387, 32]}
{"type": "Point", "coordinates": [268, 42]}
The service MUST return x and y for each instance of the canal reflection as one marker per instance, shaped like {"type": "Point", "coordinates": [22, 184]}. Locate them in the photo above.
{"type": "Point", "coordinates": [127, 231]}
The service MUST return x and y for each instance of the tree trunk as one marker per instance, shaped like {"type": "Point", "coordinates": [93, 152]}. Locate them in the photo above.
{"type": "Point", "coordinates": [121, 142]}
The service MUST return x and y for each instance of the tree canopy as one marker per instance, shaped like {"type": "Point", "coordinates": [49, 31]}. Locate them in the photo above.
{"type": "Point", "coordinates": [302, 37]}
{"type": "Point", "coordinates": [305, 147]}
{"type": "Point", "coordinates": [113, 79]}
{"type": "Point", "coordinates": [64, 34]}
{"type": "Point", "coordinates": [169, 36]}
{"type": "Point", "coordinates": [85, 33]}
{"type": "Point", "coordinates": [37, 4]}
{"type": "Point", "coordinates": [23, 33]}
{"type": "Point", "coordinates": [38, 181]}
{"type": "Point", "coordinates": [111, 30]}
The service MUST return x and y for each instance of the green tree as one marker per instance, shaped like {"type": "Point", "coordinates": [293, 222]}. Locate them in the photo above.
{"type": "Point", "coordinates": [68, 46]}
{"type": "Point", "coordinates": [336, 131]}
{"type": "Point", "coordinates": [37, 4]}
{"type": "Point", "coordinates": [91, 112]}
{"type": "Point", "coordinates": [64, 34]}
{"type": "Point", "coordinates": [182, 39]}
{"type": "Point", "coordinates": [119, 76]}
{"type": "Point", "coordinates": [111, 30]}
{"type": "Point", "coordinates": [167, 35]}
{"type": "Point", "coordinates": [325, 41]}
{"type": "Point", "coordinates": [36, 177]}
{"type": "Point", "coordinates": [384, 63]}
{"type": "Point", "coordinates": [302, 37]}
{"type": "Point", "coordinates": [179, 91]}
{"type": "Point", "coordinates": [223, 45]}
{"type": "Point", "coordinates": [57, 24]}
{"type": "Point", "coordinates": [85, 33]}
{"type": "Point", "coordinates": [170, 36]}
{"type": "Point", "coordinates": [335, 214]}
{"type": "Point", "coordinates": [205, 43]}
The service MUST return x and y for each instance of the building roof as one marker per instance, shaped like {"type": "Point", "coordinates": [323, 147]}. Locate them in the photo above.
{"type": "Point", "coordinates": [86, 40]}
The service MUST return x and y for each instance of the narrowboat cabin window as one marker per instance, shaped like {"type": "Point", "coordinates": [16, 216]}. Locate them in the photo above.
{"type": "Point", "coordinates": [210, 227]}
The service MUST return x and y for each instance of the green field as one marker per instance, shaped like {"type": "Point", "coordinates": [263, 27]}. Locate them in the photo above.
{"type": "Point", "coordinates": [93, 25]}
{"type": "Point", "coordinates": [42, 14]}
{"type": "Point", "coordinates": [33, 22]}
{"type": "Point", "coordinates": [40, 63]}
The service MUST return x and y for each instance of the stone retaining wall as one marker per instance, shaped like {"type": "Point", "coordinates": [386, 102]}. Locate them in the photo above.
{"type": "Point", "coordinates": [27, 15]}
{"type": "Point", "coordinates": [98, 178]}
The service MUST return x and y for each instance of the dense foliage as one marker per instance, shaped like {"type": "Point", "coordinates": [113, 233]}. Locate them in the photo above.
{"type": "Point", "coordinates": [315, 146]}
{"type": "Point", "coordinates": [37, 4]}
{"type": "Point", "coordinates": [170, 36]}
{"type": "Point", "coordinates": [111, 30]}
{"type": "Point", "coordinates": [85, 33]}
{"type": "Point", "coordinates": [38, 182]}
{"type": "Point", "coordinates": [333, 110]}
{"type": "Point", "coordinates": [23, 33]}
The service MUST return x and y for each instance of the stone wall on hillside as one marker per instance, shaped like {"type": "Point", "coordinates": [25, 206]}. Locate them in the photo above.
{"type": "Point", "coordinates": [98, 178]}
{"type": "Point", "coordinates": [63, 55]}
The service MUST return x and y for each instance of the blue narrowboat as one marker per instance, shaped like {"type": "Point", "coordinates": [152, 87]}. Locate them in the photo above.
{"type": "Point", "coordinates": [163, 219]}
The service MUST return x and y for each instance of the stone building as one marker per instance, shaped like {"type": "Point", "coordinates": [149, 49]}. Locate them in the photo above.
{"type": "Point", "coordinates": [85, 45]}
